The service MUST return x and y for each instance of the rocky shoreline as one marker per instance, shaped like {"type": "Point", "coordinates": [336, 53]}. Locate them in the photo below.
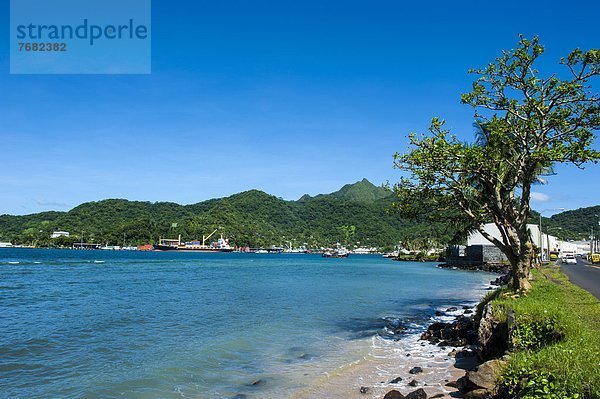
{"type": "Point", "coordinates": [476, 340]}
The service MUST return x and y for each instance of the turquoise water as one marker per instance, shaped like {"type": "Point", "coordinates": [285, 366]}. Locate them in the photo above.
{"type": "Point", "coordinates": [94, 324]}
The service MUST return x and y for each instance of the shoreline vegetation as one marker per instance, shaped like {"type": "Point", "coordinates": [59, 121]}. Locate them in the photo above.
{"type": "Point", "coordinates": [542, 344]}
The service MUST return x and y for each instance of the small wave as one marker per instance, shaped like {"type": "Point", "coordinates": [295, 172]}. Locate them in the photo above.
{"type": "Point", "coordinates": [98, 261]}
{"type": "Point", "coordinates": [13, 263]}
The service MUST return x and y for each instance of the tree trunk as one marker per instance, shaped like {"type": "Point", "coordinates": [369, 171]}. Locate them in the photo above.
{"type": "Point", "coordinates": [521, 267]}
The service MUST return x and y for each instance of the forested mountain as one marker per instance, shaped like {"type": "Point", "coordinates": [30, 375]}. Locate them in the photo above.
{"type": "Point", "coordinates": [574, 225]}
{"type": "Point", "coordinates": [362, 191]}
{"type": "Point", "coordinates": [357, 214]}
{"type": "Point", "coordinates": [251, 218]}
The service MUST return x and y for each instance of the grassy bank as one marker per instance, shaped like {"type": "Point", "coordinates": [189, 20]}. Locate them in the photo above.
{"type": "Point", "coordinates": [556, 337]}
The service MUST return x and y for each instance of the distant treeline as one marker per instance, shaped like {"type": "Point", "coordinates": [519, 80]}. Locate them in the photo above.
{"type": "Point", "coordinates": [359, 214]}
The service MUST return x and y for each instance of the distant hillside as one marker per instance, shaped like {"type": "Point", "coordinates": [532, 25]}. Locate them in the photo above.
{"type": "Point", "coordinates": [574, 225]}
{"type": "Point", "coordinates": [251, 218]}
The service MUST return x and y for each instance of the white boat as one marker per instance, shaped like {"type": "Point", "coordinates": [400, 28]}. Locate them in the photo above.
{"type": "Point", "coordinates": [336, 253]}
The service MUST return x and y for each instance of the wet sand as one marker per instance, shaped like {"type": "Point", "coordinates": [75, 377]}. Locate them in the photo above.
{"type": "Point", "coordinates": [377, 370]}
{"type": "Point", "coordinates": [390, 359]}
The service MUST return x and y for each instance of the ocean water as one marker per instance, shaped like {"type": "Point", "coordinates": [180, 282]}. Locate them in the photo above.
{"type": "Point", "coordinates": [95, 324]}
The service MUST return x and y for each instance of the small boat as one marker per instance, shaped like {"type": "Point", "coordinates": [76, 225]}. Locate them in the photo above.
{"type": "Point", "coordinates": [336, 253]}
{"type": "Point", "coordinates": [272, 250]}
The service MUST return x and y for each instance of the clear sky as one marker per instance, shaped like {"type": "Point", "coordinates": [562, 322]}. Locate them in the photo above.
{"type": "Point", "coordinates": [289, 97]}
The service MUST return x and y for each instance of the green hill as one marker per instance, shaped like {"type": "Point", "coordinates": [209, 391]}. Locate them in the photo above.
{"type": "Point", "coordinates": [574, 225]}
{"type": "Point", "coordinates": [252, 218]}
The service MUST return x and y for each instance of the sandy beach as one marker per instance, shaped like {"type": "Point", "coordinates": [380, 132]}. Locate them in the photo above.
{"type": "Point", "coordinates": [373, 376]}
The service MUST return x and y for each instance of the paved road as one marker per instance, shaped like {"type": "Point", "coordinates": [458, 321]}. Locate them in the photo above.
{"type": "Point", "coordinates": [584, 274]}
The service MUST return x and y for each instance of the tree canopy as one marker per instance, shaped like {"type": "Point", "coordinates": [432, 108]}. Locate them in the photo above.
{"type": "Point", "coordinates": [526, 123]}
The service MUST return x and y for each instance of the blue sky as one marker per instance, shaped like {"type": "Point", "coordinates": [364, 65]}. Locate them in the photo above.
{"type": "Point", "coordinates": [287, 97]}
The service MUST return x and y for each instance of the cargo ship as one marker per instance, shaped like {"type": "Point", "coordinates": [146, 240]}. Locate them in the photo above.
{"type": "Point", "coordinates": [167, 244]}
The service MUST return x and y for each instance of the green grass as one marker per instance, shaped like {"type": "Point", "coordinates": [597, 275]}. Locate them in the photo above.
{"type": "Point", "coordinates": [557, 339]}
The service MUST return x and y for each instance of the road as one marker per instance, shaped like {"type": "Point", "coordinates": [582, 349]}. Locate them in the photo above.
{"type": "Point", "coordinates": [584, 274]}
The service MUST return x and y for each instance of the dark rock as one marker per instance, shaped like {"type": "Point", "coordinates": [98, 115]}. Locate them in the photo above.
{"type": "Point", "coordinates": [452, 309]}
{"type": "Point", "coordinates": [459, 333]}
{"type": "Point", "coordinates": [466, 307]}
{"type": "Point", "coordinates": [492, 334]}
{"type": "Point", "coordinates": [468, 311]}
{"type": "Point", "coordinates": [452, 384]}
{"type": "Point", "coordinates": [502, 280]}
{"type": "Point", "coordinates": [439, 395]}
{"type": "Point", "coordinates": [364, 389]}
{"type": "Point", "coordinates": [393, 394]}
{"type": "Point", "coordinates": [465, 353]}
{"type": "Point", "coordinates": [413, 383]}
{"type": "Point", "coordinates": [415, 370]}
{"type": "Point", "coordinates": [478, 394]}
{"type": "Point", "coordinates": [418, 394]}
{"type": "Point", "coordinates": [396, 380]}
{"type": "Point", "coordinates": [464, 385]}
{"type": "Point", "coordinates": [256, 383]}
{"type": "Point", "coordinates": [408, 354]}
{"type": "Point", "coordinates": [438, 313]}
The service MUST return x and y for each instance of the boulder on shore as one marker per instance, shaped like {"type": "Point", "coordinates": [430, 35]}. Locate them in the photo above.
{"type": "Point", "coordinates": [481, 383]}
{"type": "Point", "coordinates": [418, 394]}
{"type": "Point", "coordinates": [478, 394]}
{"type": "Point", "coordinates": [492, 334]}
{"type": "Point", "coordinates": [461, 332]}
{"type": "Point", "coordinates": [393, 394]}
{"type": "Point", "coordinates": [486, 374]}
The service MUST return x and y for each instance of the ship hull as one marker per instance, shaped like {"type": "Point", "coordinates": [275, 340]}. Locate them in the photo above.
{"type": "Point", "coordinates": [183, 249]}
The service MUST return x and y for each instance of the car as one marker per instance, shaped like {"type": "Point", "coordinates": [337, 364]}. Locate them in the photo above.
{"type": "Point", "coordinates": [569, 259]}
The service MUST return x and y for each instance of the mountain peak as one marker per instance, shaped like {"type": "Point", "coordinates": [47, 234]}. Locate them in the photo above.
{"type": "Point", "coordinates": [361, 191]}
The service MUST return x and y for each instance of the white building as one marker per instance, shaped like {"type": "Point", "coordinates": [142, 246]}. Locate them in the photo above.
{"type": "Point", "coordinates": [5, 245]}
{"type": "Point", "coordinates": [57, 234]}
{"type": "Point", "coordinates": [477, 238]}
{"type": "Point", "coordinates": [568, 247]}
{"type": "Point", "coordinates": [583, 247]}
{"type": "Point", "coordinates": [546, 242]}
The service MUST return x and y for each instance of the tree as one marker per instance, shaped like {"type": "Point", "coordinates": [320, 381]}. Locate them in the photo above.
{"type": "Point", "coordinates": [526, 124]}
{"type": "Point", "coordinates": [348, 233]}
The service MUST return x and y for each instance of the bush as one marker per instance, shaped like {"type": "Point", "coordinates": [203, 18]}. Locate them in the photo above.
{"type": "Point", "coordinates": [528, 383]}
{"type": "Point", "coordinates": [535, 334]}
